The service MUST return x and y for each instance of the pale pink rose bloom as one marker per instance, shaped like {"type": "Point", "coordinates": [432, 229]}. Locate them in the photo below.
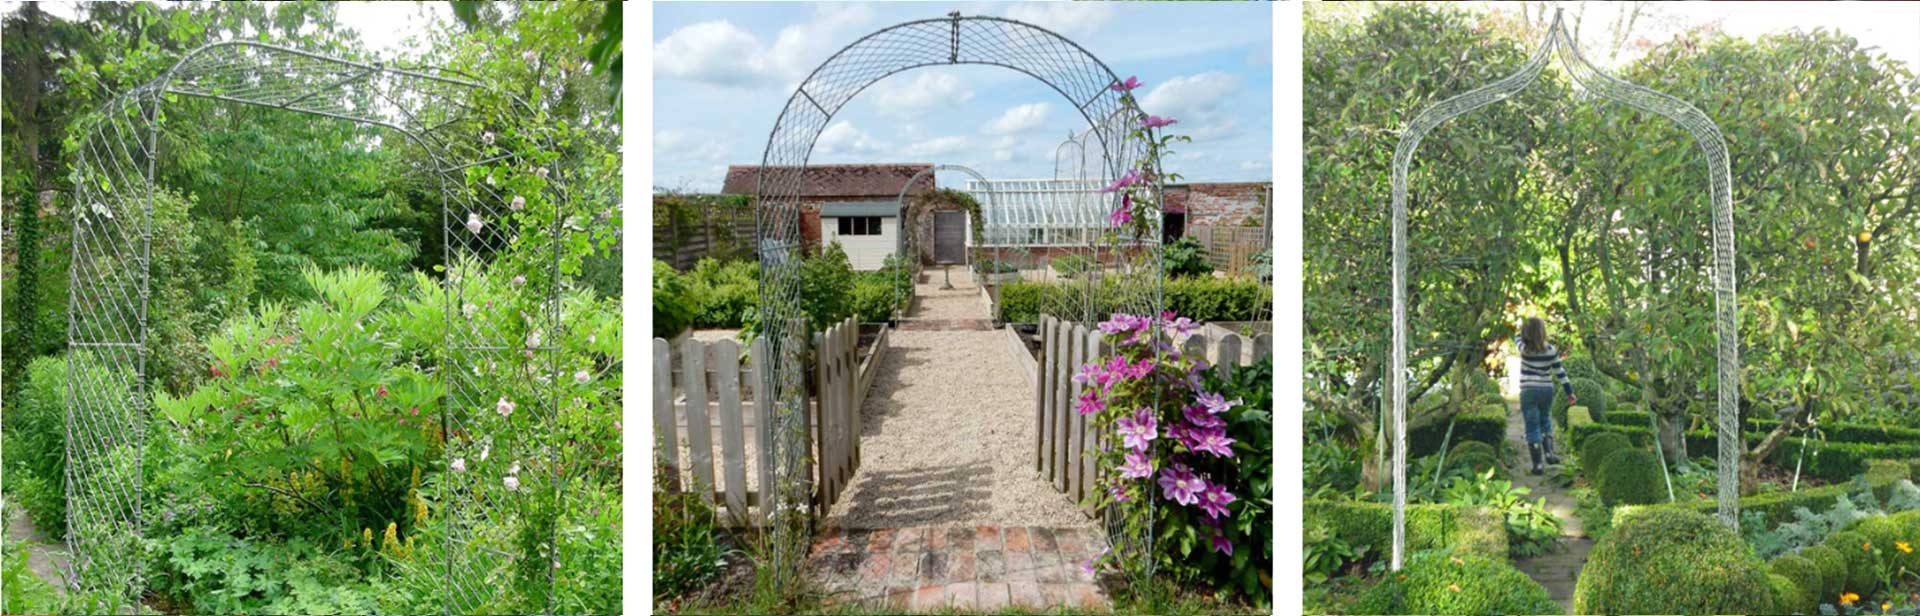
{"type": "Point", "coordinates": [474, 224]}
{"type": "Point", "coordinates": [518, 203]}
{"type": "Point", "coordinates": [504, 407]}
{"type": "Point", "coordinates": [459, 465]}
{"type": "Point", "coordinates": [513, 483]}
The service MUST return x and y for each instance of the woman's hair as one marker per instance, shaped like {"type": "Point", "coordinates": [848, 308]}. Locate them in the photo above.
{"type": "Point", "coordinates": [1533, 336]}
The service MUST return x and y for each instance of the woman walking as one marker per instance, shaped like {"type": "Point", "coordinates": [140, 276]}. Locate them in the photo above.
{"type": "Point", "coordinates": [1540, 369]}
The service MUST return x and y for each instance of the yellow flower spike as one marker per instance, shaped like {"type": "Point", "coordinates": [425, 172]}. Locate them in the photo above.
{"type": "Point", "coordinates": [366, 536]}
{"type": "Point", "coordinates": [1904, 548]}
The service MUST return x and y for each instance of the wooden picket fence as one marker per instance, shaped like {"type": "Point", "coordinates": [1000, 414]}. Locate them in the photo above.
{"type": "Point", "coordinates": [709, 390]}
{"type": "Point", "coordinates": [1065, 444]}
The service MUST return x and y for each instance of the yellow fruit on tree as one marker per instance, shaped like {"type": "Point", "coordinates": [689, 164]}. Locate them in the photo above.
{"type": "Point", "coordinates": [1866, 236]}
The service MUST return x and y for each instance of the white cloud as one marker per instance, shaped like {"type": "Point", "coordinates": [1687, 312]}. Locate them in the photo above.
{"type": "Point", "coordinates": [1199, 102]}
{"type": "Point", "coordinates": [1019, 119]}
{"type": "Point", "coordinates": [939, 147]}
{"type": "Point", "coordinates": [688, 144]}
{"type": "Point", "coordinates": [1003, 148]}
{"type": "Point", "coordinates": [925, 92]}
{"type": "Point", "coordinates": [1070, 19]}
{"type": "Point", "coordinates": [721, 53]}
{"type": "Point", "coordinates": [843, 138]}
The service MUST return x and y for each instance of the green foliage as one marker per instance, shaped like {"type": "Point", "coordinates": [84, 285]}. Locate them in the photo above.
{"type": "Point", "coordinates": [1072, 265]}
{"type": "Point", "coordinates": [1595, 449]}
{"type": "Point", "coordinates": [1531, 529]}
{"type": "Point", "coordinates": [1201, 299]}
{"type": "Point", "coordinates": [1857, 551]}
{"type": "Point", "coordinates": [1446, 582]}
{"type": "Point", "coordinates": [1429, 526]}
{"type": "Point", "coordinates": [1831, 565]}
{"type": "Point", "coordinates": [673, 311]}
{"type": "Point", "coordinates": [216, 573]}
{"type": "Point", "coordinates": [21, 592]}
{"type": "Point", "coordinates": [1630, 477]}
{"type": "Point", "coordinates": [722, 292]}
{"type": "Point", "coordinates": [1805, 580]}
{"type": "Point", "coordinates": [687, 553]}
{"type": "Point", "coordinates": [35, 443]}
{"type": "Point", "coordinates": [1671, 561]}
{"type": "Point", "coordinates": [1468, 448]}
{"type": "Point", "coordinates": [1787, 592]}
{"type": "Point", "coordinates": [1185, 258]}
{"type": "Point", "coordinates": [826, 283]}
{"type": "Point", "coordinates": [1485, 425]}
{"type": "Point", "coordinates": [1591, 395]}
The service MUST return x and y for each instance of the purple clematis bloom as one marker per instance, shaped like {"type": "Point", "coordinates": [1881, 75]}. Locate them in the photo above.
{"type": "Point", "coordinates": [1137, 432]}
{"type": "Point", "coordinates": [1180, 485]}
{"type": "Point", "coordinates": [1214, 500]}
{"type": "Point", "coordinates": [1120, 217]}
{"type": "Point", "coordinates": [1122, 323]}
{"type": "Point", "coordinates": [1089, 403]}
{"type": "Point", "coordinates": [1138, 466]}
{"type": "Point", "coordinates": [1217, 403]}
{"type": "Point", "coordinates": [1154, 121]}
{"type": "Point", "coordinates": [1132, 175]}
{"type": "Point", "coordinates": [1221, 545]}
{"type": "Point", "coordinates": [1181, 326]}
{"type": "Point", "coordinates": [1126, 86]}
{"type": "Point", "coordinates": [1200, 418]}
{"type": "Point", "coordinates": [1119, 494]}
{"type": "Point", "coordinates": [1211, 440]}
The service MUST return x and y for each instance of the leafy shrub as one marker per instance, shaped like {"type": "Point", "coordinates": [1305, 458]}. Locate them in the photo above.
{"type": "Point", "coordinates": [1185, 258]}
{"type": "Point", "coordinates": [722, 292]}
{"type": "Point", "coordinates": [1200, 299]}
{"type": "Point", "coordinates": [1477, 462]}
{"type": "Point", "coordinates": [1531, 528]}
{"type": "Point", "coordinates": [1429, 526]}
{"type": "Point", "coordinates": [1591, 395]}
{"type": "Point", "coordinates": [1595, 450]}
{"type": "Point", "coordinates": [35, 445]}
{"type": "Point", "coordinates": [1831, 565]}
{"type": "Point", "coordinates": [21, 592]}
{"type": "Point", "coordinates": [686, 550]}
{"type": "Point", "coordinates": [1807, 528]}
{"type": "Point", "coordinates": [217, 573]}
{"type": "Point", "coordinates": [1805, 577]}
{"type": "Point", "coordinates": [673, 309]}
{"type": "Point", "coordinates": [1487, 425]}
{"type": "Point", "coordinates": [1787, 592]}
{"type": "Point", "coordinates": [996, 267]}
{"type": "Point", "coordinates": [826, 285]}
{"type": "Point", "coordinates": [1442, 582]}
{"type": "Point", "coordinates": [1886, 533]}
{"type": "Point", "coordinates": [1631, 477]}
{"type": "Point", "coordinates": [1857, 550]}
{"type": "Point", "coordinates": [1667, 561]}
{"type": "Point", "coordinates": [1465, 448]}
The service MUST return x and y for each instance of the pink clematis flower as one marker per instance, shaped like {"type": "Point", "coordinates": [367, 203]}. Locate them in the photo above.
{"type": "Point", "coordinates": [459, 465]}
{"type": "Point", "coordinates": [1211, 440]}
{"type": "Point", "coordinates": [1126, 86]}
{"type": "Point", "coordinates": [1221, 545]}
{"type": "Point", "coordinates": [1138, 466]}
{"type": "Point", "coordinates": [1138, 431]}
{"type": "Point", "coordinates": [1089, 403]}
{"type": "Point", "coordinates": [1132, 176]}
{"type": "Point", "coordinates": [1214, 500]}
{"type": "Point", "coordinates": [1200, 418]}
{"type": "Point", "coordinates": [1119, 494]}
{"type": "Point", "coordinates": [1180, 485]}
{"type": "Point", "coordinates": [1120, 216]}
{"type": "Point", "coordinates": [1217, 403]}
{"type": "Point", "coordinates": [1154, 121]}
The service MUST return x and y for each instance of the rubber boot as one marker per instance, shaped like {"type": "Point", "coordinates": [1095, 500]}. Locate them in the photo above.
{"type": "Point", "coordinates": [1534, 451]}
{"type": "Point", "coordinates": [1546, 448]}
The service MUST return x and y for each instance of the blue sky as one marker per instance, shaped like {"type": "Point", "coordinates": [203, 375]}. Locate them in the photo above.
{"type": "Point", "coordinates": [724, 70]}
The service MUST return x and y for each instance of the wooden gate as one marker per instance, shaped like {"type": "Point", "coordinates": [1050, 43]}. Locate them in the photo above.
{"type": "Point", "coordinates": [1065, 444]}
{"type": "Point", "coordinates": [836, 410]}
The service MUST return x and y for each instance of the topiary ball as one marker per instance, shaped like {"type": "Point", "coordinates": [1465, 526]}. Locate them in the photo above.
{"type": "Point", "coordinates": [1478, 462]}
{"type": "Point", "coordinates": [1631, 477]}
{"type": "Point", "coordinates": [1857, 550]}
{"type": "Point", "coordinates": [1832, 568]}
{"type": "Point", "coordinates": [1444, 582]}
{"type": "Point", "coordinates": [1591, 395]}
{"type": "Point", "coordinates": [1806, 581]}
{"type": "Point", "coordinates": [1595, 451]}
{"type": "Point", "coordinates": [1470, 447]}
{"type": "Point", "coordinates": [1672, 561]}
{"type": "Point", "coordinates": [1786, 593]}
{"type": "Point", "coordinates": [1888, 536]}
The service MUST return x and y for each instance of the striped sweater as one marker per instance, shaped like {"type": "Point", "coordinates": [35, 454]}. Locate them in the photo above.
{"type": "Point", "coordinates": [1542, 370]}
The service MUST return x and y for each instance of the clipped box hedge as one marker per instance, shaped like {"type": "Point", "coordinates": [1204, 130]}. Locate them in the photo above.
{"type": "Point", "coordinates": [1778, 506]}
{"type": "Point", "coordinates": [1827, 460]}
{"type": "Point", "coordinates": [1429, 526]}
{"type": "Point", "coordinates": [1487, 425]}
{"type": "Point", "coordinates": [1844, 432]}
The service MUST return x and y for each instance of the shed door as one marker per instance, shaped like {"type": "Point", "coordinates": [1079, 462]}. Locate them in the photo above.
{"type": "Point", "coordinates": [950, 237]}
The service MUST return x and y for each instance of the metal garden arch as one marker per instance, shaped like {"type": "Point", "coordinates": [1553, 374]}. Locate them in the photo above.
{"type": "Point", "coordinates": [451, 118]}
{"type": "Point", "coordinates": [1561, 43]}
{"type": "Point", "coordinates": [908, 250]}
{"type": "Point", "coordinates": [1054, 60]}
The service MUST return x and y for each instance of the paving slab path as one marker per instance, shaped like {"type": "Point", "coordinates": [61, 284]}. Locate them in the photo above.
{"type": "Point", "coordinates": [46, 558]}
{"type": "Point", "coordinates": [946, 451]}
{"type": "Point", "coordinates": [1557, 571]}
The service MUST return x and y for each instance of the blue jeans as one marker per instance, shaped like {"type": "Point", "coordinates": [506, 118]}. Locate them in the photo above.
{"type": "Point", "coordinates": [1536, 408]}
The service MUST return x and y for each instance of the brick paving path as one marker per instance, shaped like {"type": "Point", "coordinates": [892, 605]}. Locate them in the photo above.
{"type": "Point", "coordinates": [983, 568]}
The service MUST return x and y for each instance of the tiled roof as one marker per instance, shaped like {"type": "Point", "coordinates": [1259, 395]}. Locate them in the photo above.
{"type": "Point", "coordinates": [819, 181]}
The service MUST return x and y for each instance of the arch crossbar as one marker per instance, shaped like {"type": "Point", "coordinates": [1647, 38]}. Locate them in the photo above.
{"type": "Point", "coordinates": [450, 118]}
{"type": "Point", "coordinates": [1079, 77]}
{"type": "Point", "coordinates": [1561, 44]}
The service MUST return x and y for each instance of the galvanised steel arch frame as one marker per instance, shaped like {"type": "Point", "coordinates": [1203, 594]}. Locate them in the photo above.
{"type": "Point", "coordinates": [1046, 56]}
{"type": "Point", "coordinates": [1561, 43]}
{"type": "Point", "coordinates": [433, 108]}
{"type": "Point", "coordinates": [907, 251]}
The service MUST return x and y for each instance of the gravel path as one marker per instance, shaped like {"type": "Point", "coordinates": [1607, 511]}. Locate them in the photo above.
{"type": "Point", "coordinates": [949, 431]}
{"type": "Point", "coordinates": [963, 301]}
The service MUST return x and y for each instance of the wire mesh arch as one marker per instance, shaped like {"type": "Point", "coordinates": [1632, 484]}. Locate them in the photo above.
{"type": "Point", "coordinates": [452, 120]}
{"type": "Point", "coordinates": [1061, 64]}
{"type": "Point", "coordinates": [907, 254]}
{"type": "Point", "coordinates": [1560, 43]}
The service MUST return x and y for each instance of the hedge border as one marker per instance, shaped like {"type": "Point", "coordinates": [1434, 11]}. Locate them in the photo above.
{"type": "Point", "coordinates": [1429, 526]}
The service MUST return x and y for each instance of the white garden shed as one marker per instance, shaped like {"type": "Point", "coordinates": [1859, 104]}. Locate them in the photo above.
{"type": "Point", "coordinates": [868, 230]}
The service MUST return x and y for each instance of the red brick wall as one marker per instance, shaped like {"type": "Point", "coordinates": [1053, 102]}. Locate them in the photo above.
{"type": "Point", "coordinates": [1235, 204]}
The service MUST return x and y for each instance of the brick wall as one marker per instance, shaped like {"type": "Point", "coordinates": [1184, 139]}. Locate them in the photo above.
{"type": "Point", "coordinates": [1223, 204]}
